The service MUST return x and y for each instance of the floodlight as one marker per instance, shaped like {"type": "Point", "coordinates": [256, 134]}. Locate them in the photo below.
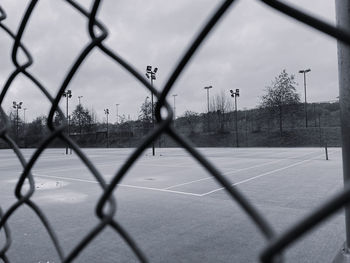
{"type": "Point", "coordinates": [153, 76]}
{"type": "Point", "coordinates": [14, 103]}
{"type": "Point", "coordinates": [149, 69]}
{"type": "Point", "coordinates": [231, 90]}
{"type": "Point", "coordinates": [301, 71]}
{"type": "Point", "coordinates": [147, 75]}
{"type": "Point", "coordinates": [155, 70]}
{"type": "Point", "coordinates": [20, 103]}
{"type": "Point", "coordinates": [237, 90]}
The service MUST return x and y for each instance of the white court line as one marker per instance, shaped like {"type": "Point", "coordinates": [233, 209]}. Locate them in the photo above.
{"type": "Point", "coordinates": [236, 171]}
{"type": "Point", "coordinates": [263, 174]}
{"type": "Point", "coordinates": [122, 185]}
{"type": "Point", "coordinates": [228, 173]}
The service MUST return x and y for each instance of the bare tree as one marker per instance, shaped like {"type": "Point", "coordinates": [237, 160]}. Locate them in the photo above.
{"type": "Point", "coordinates": [281, 92]}
{"type": "Point", "coordinates": [221, 104]}
{"type": "Point", "coordinates": [191, 119]}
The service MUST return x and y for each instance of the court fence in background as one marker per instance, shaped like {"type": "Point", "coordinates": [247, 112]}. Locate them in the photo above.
{"type": "Point", "coordinates": [275, 244]}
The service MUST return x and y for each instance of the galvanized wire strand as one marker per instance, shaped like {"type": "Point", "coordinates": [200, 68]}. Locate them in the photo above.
{"type": "Point", "coordinates": [2, 14]}
{"type": "Point", "coordinates": [309, 20]}
{"type": "Point", "coordinates": [8, 240]}
{"type": "Point", "coordinates": [25, 199]}
{"type": "Point", "coordinates": [311, 221]}
{"type": "Point", "coordinates": [233, 192]}
{"type": "Point", "coordinates": [194, 47]}
{"type": "Point", "coordinates": [113, 55]}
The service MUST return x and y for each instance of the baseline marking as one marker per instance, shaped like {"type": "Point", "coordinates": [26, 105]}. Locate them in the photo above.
{"type": "Point", "coordinates": [122, 185]}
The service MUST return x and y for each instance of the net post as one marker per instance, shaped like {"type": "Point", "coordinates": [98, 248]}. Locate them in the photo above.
{"type": "Point", "coordinates": [343, 21]}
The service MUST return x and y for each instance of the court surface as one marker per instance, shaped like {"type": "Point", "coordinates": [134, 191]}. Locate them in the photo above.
{"type": "Point", "coordinates": [170, 205]}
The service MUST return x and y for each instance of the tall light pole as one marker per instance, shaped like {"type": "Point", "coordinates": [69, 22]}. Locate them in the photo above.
{"type": "Point", "coordinates": [343, 21]}
{"type": "Point", "coordinates": [17, 106]}
{"type": "Point", "coordinates": [24, 127]}
{"type": "Point", "coordinates": [116, 105]}
{"type": "Point", "coordinates": [207, 88]}
{"type": "Point", "coordinates": [79, 98]}
{"type": "Point", "coordinates": [235, 94]}
{"type": "Point", "coordinates": [68, 95]}
{"type": "Point", "coordinates": [107, 113]}
{"type": "Point", "coordinates": [152, 75]}
{"type": "Point", "coordinates": [174, 95]}
{"type": "Point", "coordinates": [304, 71]}
{"type": "Point", "coordinates": [24, 115]}
{"type": "Point", "coordinates": [80, 126]}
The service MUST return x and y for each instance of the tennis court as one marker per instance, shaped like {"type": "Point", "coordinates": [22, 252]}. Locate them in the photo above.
{"type": "Point", "coordinates": [174, 210]}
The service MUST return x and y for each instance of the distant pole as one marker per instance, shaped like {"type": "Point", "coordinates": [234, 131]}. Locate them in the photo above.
{"type": "Point", "coordinates": [174, 95]}
{"type": "Point", "coordinates": [107, 113]}
{"type": "Point", "coordinates": [116, 105]}
{"type": "Point", "coordinates": [24, 127]}
{"type": "Point", "coordinates": [304, 71]}
{"type": "Point", "coordinates": [79, 98]}
{"type": "Point", "coordinates": [343, 21]}
{"type": "Point", "coordinates": [207, 88]}
{"type": "Point", "coordinates": [246, 126]}
{"type": "Point", "coordinates": [17, 106]}
{"type": "Point", "coordinates": [80, 124]}
{"type": "Point", "coordinates": [152, 75]}
{"type": "Point", "coordinates": [24, 115]}
{"type": "Point", "coordinates": [235, 94]}
{"type": "Point", "coordinates": [68, 95]}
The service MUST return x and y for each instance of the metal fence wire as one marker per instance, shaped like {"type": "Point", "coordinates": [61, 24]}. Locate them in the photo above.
{"type": "Point", "coordinates": [106, 206]}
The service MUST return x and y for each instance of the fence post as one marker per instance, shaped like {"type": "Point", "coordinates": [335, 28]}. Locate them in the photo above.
{"type": "Point", "coordinates": [343, 21]}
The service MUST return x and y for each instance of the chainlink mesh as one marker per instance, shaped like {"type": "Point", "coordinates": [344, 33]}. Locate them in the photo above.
{"type": "Point", "coordinates": [106, 205]}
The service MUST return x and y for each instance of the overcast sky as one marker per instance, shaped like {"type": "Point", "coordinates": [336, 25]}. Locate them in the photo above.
{"type": "Point", "coordinates": [247, 49]}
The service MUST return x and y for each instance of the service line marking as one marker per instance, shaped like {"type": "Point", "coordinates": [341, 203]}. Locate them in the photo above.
{"type": "Point", "coordinates": [232, 172]}
{"type": "Point", "coordinates": [264, 174]}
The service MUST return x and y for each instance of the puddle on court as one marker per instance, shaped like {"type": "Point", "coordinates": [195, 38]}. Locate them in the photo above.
{"type": "Point", "coordinates": [42, 184]}
{"type": "Point", "coordinates": [68, 197]}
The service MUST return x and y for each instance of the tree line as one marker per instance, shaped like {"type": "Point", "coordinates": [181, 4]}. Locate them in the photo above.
{"type": "Point", "coordinates": [279, 108]}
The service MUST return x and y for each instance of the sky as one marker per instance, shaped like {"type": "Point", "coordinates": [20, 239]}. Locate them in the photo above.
{"type": "Point", "coordinates": [250, 46]}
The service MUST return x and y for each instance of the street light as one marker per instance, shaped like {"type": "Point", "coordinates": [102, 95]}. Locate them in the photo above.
{"type": "Point", "coordinates": [80, 108]}
{"type": "Point", "coordinates": [305, 107]}
{"type": "Point", "coordinates": [174, 95]}
{"type": "Point", "coordinates": [235, 94]}
{"type": "Point", "coordinates": [207, 88]}
{"type": "Point", "coordinates": [24, 115]}
{"type": "Point", "coordinates": [79, 97]}
{"type": "Point", "coordinates": [107, 113]}
{"type": "Point", "coordinates": [24, 127]}
{"type": "Point", "coordinates": [116, 105]}
{"type": "Point", "coordinates": [68, 95]}
{"type": "Point", "coordinates": [17, 106]}
{"type": "Point", "coordinates": [152, 75]}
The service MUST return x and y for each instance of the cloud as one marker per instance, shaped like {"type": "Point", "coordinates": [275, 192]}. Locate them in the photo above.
{"type": "Point", "coordinates": [247, 49]}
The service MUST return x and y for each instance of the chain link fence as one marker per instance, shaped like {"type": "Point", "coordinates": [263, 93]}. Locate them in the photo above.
{"type": "Point", "coordinates": [106, 205]}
